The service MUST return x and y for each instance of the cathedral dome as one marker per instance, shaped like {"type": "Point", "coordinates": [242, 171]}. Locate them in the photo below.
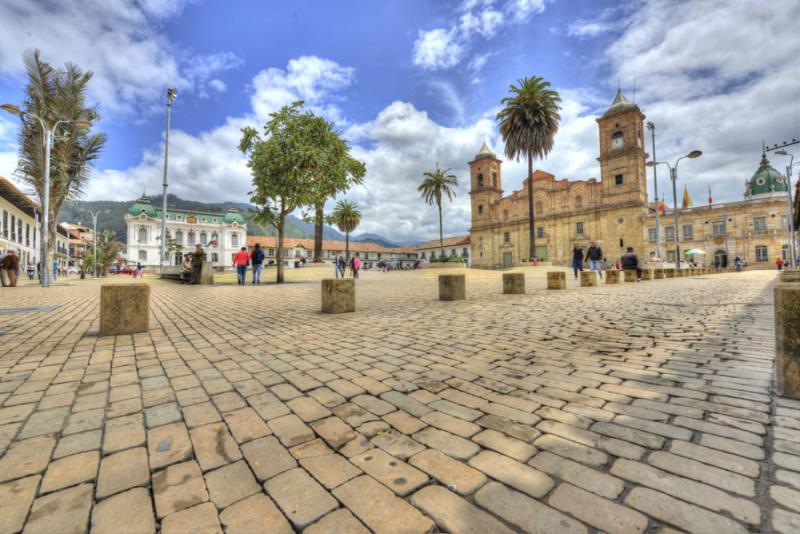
{"type": "Point", "coordinates": [233, 215]}
{"type": "Point", "coordinates": [142, 206]}
{"type": "Point", "coordinates": [765, 180]}
{"type": "Point", "coordinates": [485, 152]}
{"type": "Point", "coordinates": [620, 104]}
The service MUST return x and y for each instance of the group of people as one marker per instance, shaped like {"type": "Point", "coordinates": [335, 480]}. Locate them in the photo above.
{"type": "Point", "coordinates": [597, 262]}
{"type": "Point", "coordinates": [242, 260]}
{"type": "Point", "coordinates": [342, 264]}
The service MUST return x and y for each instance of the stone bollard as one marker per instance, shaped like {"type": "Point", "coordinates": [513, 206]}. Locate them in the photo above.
{"type": "Point", "coordinates": [556, 280]}
{"type": "Point", "coordinates": [612, 276]}
{"type": "Point", "coordinates": [124, 309]}
{"type": "Point", "coordinates": [647, 274]}
{"type": "Point", "coordinates": [658, 274]}
{"type": "Point", "coordinates": [787, 339]}
{"type": "Point", "coordinates": [513, 283]}
{"type": "Point", "coordinates": [452, 287]}
{"type": "Point", "coordinates": [669, 273]}
{"type": "Point", "coordinates": [630, 275]}
{"type": "Point", "coordinates": [338, 295]}
{"type": "Point", "coordinates": [207, 274]}
{"type": "Point", "coordinates": [589, 278]}
{"type": "Point", "coordinates": [790, 276]}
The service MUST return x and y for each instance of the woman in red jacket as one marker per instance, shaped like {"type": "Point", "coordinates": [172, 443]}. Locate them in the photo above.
{"type": "Point", "coordinates": [240, 261]}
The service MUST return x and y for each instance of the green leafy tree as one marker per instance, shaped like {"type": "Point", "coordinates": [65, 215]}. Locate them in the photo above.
{"type": "Point", "coordinates": [336, 173]}
{"type": "Point", "coordinates": [57, 95]}
{"type": "Point", "coordinates": [346, 217]}
{"type": "Point", "coordinates": [528, 124]}
{"type": "Point", "coordinates": [283, 163]}
{"type": "Point", "coordinates": [108, 248]}
{"type": "Point", "coordinates": [434, 187]}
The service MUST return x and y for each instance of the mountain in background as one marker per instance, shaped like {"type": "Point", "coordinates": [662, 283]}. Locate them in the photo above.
{"type": "Point", "coordinates": [112, 217]}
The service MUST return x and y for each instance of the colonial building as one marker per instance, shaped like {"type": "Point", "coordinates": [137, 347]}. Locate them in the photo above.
{"type": "Point", "coordinates": [454, 247]}
{"type": "Point", "coordinates": [614, 210]}
{"type": "Point", "coordinates": [298, 252]}
{"type": "Point", "coordinates": [19, 224]}
{"type": "Point", "coordinates": [220, 234]}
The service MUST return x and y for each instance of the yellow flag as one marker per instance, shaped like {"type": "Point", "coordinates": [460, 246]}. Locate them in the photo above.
{"type": "Point", "coordinates": [687, 200]}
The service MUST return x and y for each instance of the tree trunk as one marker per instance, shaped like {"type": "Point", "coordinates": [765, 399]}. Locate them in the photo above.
{"type": "Point", "coordinates": [441, 231]}
{"type": "Point", "coordinates": [319, 216]}
{"type": "Point", "coordinates": [347, 248]}
{"type": "Point", "coordinates": [531, 223]}
{"type": "Point", "coordinates": [279, 249]}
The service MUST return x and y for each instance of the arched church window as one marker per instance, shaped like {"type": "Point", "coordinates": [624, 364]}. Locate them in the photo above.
{"type": "Point", "coordinates": [480, 180]}
{"type": "Point", "coordinates": [235, 240]}
{"type": "Point", "coordinates": [578, 201]}
{"type": "Point", "coordinates": [203, 238]}
{"type": "Point", "coordinates": [538, 208]}
{"type": "Point", "coordinates": [179, 237]}
{"type": "Point", "coordinates": [142, 235]}
{"type": "Point", "coordinates": [616, 140]}
{"type": "Point", "coordinates": [494, 179]}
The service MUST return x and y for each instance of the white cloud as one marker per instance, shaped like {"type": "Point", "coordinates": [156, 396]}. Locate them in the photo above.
{"type": "Point", "coordinates": [120, 41]}
{"type": "Point", "coordinates": [521, 10]}
{"type": "Point", "coordinates": [583, 29]}
{"type": "Point", "coordinates": [218, 85]}
{"type": "Point", "coordinates": [437, 49]}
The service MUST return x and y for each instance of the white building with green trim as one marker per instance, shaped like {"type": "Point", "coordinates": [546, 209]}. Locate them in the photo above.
{"type": "Point", "coordinates": [220, 234]}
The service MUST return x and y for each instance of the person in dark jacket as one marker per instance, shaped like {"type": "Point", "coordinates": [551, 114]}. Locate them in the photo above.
{"type": "Point", "coordinates": [10, 267]}
{"type": "Point", "coordinates": [631, 262]}
{"type": "Point", "coordinates": [257, 260]}
{"type": "Point", "coordinates": [198, 258]}
{"type": "Point", "coordinates": [594, 255]}
{"type": "Point", "coordinates": [577, 259]}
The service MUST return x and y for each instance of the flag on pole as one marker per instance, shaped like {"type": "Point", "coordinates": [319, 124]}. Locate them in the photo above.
{"type": "Point", "coordinates": [709, 195]}
{"type": "Point", "coordinates": [662, 207]}
{"type": "Point", "coordinates": [687, 200]}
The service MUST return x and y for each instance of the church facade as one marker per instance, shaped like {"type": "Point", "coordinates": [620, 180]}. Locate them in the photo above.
{"type": "Point", "coordinates": [615, 212]}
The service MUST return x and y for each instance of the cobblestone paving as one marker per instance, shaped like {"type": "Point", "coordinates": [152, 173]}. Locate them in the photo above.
{"type": "Point", "coordinates": [632, 408]}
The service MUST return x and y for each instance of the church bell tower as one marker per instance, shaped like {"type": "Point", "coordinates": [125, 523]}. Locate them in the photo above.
{"type": "Point", "coordinates": [485, 186]}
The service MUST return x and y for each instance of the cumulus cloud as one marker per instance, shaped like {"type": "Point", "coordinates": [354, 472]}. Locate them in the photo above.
{"type": "Point", "coordinates": [119, 41]}
{"type": "Point", "coordinates": [444, 48]}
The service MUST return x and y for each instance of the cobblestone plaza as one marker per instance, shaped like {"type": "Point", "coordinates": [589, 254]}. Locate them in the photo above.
{"type": "Point", "coordinates": [638, 407]}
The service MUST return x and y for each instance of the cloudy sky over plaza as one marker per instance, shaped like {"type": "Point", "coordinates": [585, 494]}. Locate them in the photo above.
{"type": "Point", "coordinates": [410, 83]}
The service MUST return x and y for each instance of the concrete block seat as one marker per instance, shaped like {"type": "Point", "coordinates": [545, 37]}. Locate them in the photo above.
{"type": "Point", "coordinates": [124, 309]}
{"type": "Point", "coordinates": [452, 287]}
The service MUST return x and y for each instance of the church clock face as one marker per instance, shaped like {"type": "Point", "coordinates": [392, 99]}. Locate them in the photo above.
{"type": "Point", "coordinates": [616, 141]}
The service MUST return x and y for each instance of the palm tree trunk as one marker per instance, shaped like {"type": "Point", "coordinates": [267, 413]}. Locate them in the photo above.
{"type": "Point", "coordinates": [319, 216]}
{"type": "Point", "coordinates": [441, 231]}
{"type": "Point", "coordinates": [279, 249]}
{"type": "Point", "coordinates": [531, 222]}
{"type": "Point", "coordinates": [347, 248]}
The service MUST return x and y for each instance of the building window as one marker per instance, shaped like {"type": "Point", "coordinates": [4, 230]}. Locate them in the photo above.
{"type": "Point", "coordinates": [214, 257]}
{"type": "Point", "coordinates": [578, 202]}
{"type": "Point", "coordinates": [142, 235]}
{"type": "Point", "coordinates": [142, 255]}
{"type": "Point", "coordinates": [235, 240]}
{"type": "Point", "coordinates": [179, 237]}
{"type": "Point", "coordinates": [453, 253]}
{"type": "Point", "coordinates": [480, 181]}
{"type": "Point", "coordinates": [506, 237]}
{"type": "Point", "coordinates": [19, 230]}
{"type": "Point", "coordinates": [272, 252]}
{"type": "Point", "coordinates": [464, 252]}
{"type": "Point", "coordinates": [621, 243]}
{"type": "Point", "coordinates": [5, 224]}
{"type": "Point", "coordinates": [669, 233]}
{"type": "Point", "coordinates": [505, 215]}
{"type": "Point", "coordinates": [13, 228]}
{"type": "Point", "coordinates": [760, 224]}
{"type": "Point", "coordinates": [670, 255]}
{"type": "Point", "coordinates": [540, 232]}
{"type": "Point", "coordinates": [494, 179]}
{"type": "Point", "coordinates": [191, 237]}
{"type": "Point", "coordinates": [579, 228]}
{"type": "Point", "coordinates": [27, 235]}
{"type": "Point", "coordinates": [761, 253]}
{"type": "Point", "coordinates": [651, 234]}
{"type": "Point", "coordinates": [203, 238]}
{"type": "Point", "coordinates": [433, 254]}
{"type": "Point", "coordinates": [688, 233]}
{"type": "Point", "coordinates": [538, 208]}
{"type": "Point", "coordinates": [618, 179]}
{"type": "Point", "coordinates": [718, 228]}
{"type": "Point", "coordinates": [480, 209]}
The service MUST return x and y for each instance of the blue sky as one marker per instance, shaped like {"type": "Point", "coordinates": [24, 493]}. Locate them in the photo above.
{"type": "Point", "coordinates": [410, 83]}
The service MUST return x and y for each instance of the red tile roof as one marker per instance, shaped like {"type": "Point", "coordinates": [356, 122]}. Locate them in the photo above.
{"type": "Point", "coordinates": [462, 240]}
{"type": "Point", "coordinates": [327, 244]}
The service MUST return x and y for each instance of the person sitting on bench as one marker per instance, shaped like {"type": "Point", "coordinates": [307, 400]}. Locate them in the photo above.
{"type": "Point", "coordinates": [631, 262]}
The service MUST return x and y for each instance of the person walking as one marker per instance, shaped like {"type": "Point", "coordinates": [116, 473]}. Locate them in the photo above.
{"type": "Point", "coordinates": [55, 270]}
{"type": "Point", "coordinates": [355, 265]}
{"type": "Point", "coordinates": [737, 263]}
{"type": "Point", "coordinates": [594, 255]}
{"type": "Point", "coordinates": [240, 261]}
{"type": "Point", "coordinates": [631, 263]}
{"type": "Point", "coordinates": [340, 266]}
{"type": "Point", "coordinates": [257, 260]}
{"type": "Point", "coordinates": [779, 264]}
{"type": "Point", "coordinates": [198, 258]}
{"type": "Point", "coordinates": [10, 267]}
{"type": "Point", "coordinates": [186, 273]}
{"type": "Point", "coordinates": [577, 259]}
{"type": "Point", "coordinates": [31, 271]}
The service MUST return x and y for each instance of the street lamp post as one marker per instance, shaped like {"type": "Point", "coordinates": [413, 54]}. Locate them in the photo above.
{"type": "Point", "coordinates": [48, 145]}
{"type": "Point", "coordinates": [172, 93]}
{"type": "Point", "coordinates": [652, 128]}
{"type": "Point", "coordinates": [673, 173]}
{"type": "Point", "coordinates": [791, 239]}
{"type": "Point", "coordinates": [94, 215]}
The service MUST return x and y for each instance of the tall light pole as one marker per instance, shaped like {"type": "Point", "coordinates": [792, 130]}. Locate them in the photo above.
{"type": "Point", "coordinates": [172, 93]}
{"type": "Point", "coordinates": [48, 145]}
{"type": "Point", "coordinates": [652, 128]}
{"type": "Point", "coordinates": [673, 173]}
{"type": "Point", "coordinates": [791, 239]}
{"type": "Point", "coordinates": [94, 215]}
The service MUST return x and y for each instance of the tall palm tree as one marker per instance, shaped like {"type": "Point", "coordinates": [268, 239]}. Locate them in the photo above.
{"type": "Point", "coordinates": [347, 218]}
{"type": "Point", "coordinates": [528, 124]}
{"type": "Point", "coordinates": [434, 187]}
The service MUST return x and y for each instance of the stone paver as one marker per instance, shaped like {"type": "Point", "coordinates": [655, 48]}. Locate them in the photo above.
{"type": "Point", "coordinates": [607, 408]}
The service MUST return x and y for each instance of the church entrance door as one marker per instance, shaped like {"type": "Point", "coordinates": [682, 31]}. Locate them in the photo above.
{"type": "Point", "coordinates": [508, 260]}
{"type": "Point", "coordinates": [720, 259]}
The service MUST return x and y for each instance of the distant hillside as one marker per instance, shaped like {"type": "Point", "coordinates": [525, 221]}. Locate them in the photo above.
{"type": "Point", "coordinates": [112, 217]}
